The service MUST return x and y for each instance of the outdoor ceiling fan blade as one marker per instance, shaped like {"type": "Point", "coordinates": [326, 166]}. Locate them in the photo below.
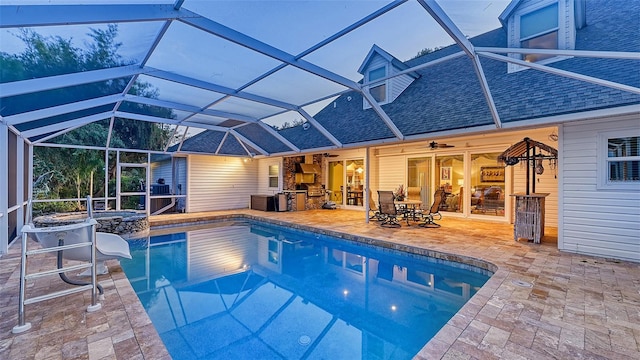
{"type": "Point", "coordinates": [329, 155]}
{"type": "Point", "coordinates": [434, 145]}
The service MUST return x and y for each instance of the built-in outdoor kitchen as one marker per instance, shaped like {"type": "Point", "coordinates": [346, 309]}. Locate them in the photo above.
{"type": "Point", "coordinates": [302, 187]}
{"type": "Point", "coordinates": [302, 181]}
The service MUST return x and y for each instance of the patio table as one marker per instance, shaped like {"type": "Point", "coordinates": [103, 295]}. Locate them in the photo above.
{"type": "Point", "coordinates": [409, 208]}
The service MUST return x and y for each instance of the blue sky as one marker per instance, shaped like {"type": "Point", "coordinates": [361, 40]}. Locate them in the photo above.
{"type": "Point", "coordinates": [292, 26]}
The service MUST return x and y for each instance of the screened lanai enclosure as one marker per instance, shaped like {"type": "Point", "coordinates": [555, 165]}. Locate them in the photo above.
{"type": "Point", "coordinates": [110, 98]}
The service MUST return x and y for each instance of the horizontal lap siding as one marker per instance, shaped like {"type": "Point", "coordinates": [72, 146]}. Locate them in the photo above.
{"type": "Point", "coordinates": [391, 172]}
{"type": "Point", "coordinates": [220, 183]}
{"type": "Point", "coordinates": [263, 176]}
{"type": "Point", "coordinates": [161, 170]}
{"type": "Point", "coordinates": [595, 221]}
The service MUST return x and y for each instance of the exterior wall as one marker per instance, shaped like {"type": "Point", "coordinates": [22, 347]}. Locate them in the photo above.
{"type": "Point", "coordinates": [398, 84]}
{"type": "Point", "coordinates": [392, 167]}
{"type": "Point", "coordinates": [162, 170]}
{"type": "Point", "coordinates": [601, 222]}
{"type": "Point", "coordinates": [220, 183]}
{"type": "Point", "coordinates": [392, 172]}
{"type": "Point", "coordinates": [263, 176]}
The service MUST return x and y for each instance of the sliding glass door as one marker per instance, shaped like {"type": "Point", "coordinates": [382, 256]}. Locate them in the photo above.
{"type": "Point", "coordinates": [450, 178]}
{"type": "Point", "coordinates": [418, 175]}
{"type": "Point", "coordinates": [346, 182]}
{"type": "Point", "coordinates": [487, 185]}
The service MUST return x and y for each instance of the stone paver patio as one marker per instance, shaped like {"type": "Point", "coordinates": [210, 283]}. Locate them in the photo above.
{"type": "Point", "coordinates": [578, 307]}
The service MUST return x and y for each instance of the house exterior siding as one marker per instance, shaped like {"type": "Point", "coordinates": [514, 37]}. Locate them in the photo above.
{"type": "Point", "coordinates": [392, 172]}
{"type": "Point", "coordinates": [601, 222]}
{"type": "Point", "coordinates": [389, 168]}
{"type": "Point", "coordinates": [220, 183]}
{"type": "Point", "coordinates": [398, 84]}
{"type": "Point", "coordinates": [263, 176]}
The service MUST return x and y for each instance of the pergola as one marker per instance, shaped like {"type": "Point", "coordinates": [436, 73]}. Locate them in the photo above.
{"type": "Point", "coordinates": [217, 69]}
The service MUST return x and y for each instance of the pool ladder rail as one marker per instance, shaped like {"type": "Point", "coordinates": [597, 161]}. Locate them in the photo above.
{"type": "Point", "coordinates": [59, 233]}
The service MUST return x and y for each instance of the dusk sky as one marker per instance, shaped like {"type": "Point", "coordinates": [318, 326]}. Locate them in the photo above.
{"type": "Point", "coordinates": [292, 26]}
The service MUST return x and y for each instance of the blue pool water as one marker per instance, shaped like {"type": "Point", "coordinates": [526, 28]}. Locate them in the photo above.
{"type": "Point", "coordinates": [252, 291]}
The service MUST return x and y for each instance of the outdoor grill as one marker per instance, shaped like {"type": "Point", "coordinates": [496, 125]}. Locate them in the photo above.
{"type": "Point", "coordinates": [312, 190]}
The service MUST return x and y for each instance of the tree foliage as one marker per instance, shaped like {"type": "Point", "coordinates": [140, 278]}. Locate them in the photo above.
{"type": "Point", "coordinates": [287, 125]}
{"type": "Point", "coordinates": [426, 51]}
{"type": "Point", "coordinates": [71, 172]}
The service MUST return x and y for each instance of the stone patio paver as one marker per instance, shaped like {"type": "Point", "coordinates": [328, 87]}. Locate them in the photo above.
{"type": "Point", "coordinates": [539, 304]}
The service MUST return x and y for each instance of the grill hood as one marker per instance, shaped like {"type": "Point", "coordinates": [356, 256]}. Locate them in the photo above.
{"type": "Point", "coordinates": [308, 168]}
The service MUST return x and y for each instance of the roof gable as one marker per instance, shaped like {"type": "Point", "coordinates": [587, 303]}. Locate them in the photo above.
{"type": "Point", "coordinates": [376, 50]}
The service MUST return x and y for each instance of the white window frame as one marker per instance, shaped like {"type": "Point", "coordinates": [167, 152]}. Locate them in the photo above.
{"type": "Point", "coordinates": [603, 160]}
{"type": "Point", "coordinates": [376, 83]}
{"type": "Point", "coordinates": [555, 29]}
{"type": "Point", "coordinates": [276, 176]}
{"type": "Point", "coordinates": [566, 31]}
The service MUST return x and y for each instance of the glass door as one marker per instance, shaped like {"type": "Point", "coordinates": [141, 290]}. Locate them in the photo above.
{"type": "Point", "coordinates": [449, 177]}
{"type": "Point", "coordinates": [418, 175]}
{"type": "Point", "coordinates": [355, 182]}
{"type": "Point", "coordinates": [335, 182]}
{"type": "Point", "coordinates": [346, 182]}
{"type": "Point", "coordinates": [487, 185]}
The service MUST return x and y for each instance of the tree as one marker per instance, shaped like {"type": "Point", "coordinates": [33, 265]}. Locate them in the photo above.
{"type": "Point", "coordinates": [49, 56]}
{"type": "Point", "coordinates": [287, 125]}
{"type": "Point", "coordinates": [426, 51]}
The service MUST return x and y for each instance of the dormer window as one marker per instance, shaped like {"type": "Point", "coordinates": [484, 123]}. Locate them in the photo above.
{"type": "Point", "coordinates": [539, 30]}
{"type": "Point", "coordinates": [542, 24]}
{"type": "Point", "coordinates": [378, 90]}
{"type": "Point", "coordinates": [376, 68]}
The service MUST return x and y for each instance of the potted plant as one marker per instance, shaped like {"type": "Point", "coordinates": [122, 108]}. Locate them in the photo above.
{"type": "Point", "coordinates": [399, 193]}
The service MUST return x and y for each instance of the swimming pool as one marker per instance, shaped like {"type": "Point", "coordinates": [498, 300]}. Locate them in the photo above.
{"type": "Point", "coordinates": [250, 290]}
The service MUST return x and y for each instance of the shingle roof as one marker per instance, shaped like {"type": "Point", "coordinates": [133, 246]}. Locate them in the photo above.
{"type": "Point", "coordinates": [448, 96]}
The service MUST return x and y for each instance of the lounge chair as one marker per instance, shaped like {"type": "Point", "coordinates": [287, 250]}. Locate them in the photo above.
{"type": "Point", "coordinates": [434, 210]}
{"type": "Point", "coordinates": [388, 211]}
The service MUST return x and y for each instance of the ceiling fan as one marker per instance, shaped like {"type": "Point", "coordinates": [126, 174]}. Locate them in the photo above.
{"type": "Point", "coordinates": [434, 145]}
{"type": "Point", "coordinates": [329, 155]}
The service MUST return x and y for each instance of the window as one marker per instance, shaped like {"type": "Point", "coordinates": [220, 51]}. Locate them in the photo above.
{"type": "Point", "coordinates": [619, 167]}
{"type": "Point", "coordinates": [623, 159]}
{"type": "Point", "coordinates": [274, 176]}
{"type": "Point", "coordinates": [379, 90]}
{"type": "Point", "coordinates": [539, 30]}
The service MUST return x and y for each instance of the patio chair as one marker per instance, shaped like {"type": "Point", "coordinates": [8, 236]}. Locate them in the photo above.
{"type": "Point", "coordinates": [388, 211]}
{"type": "Point", "coordinates": [374, 211]}
{"type": "Point", "coordinates": [434, 210]}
